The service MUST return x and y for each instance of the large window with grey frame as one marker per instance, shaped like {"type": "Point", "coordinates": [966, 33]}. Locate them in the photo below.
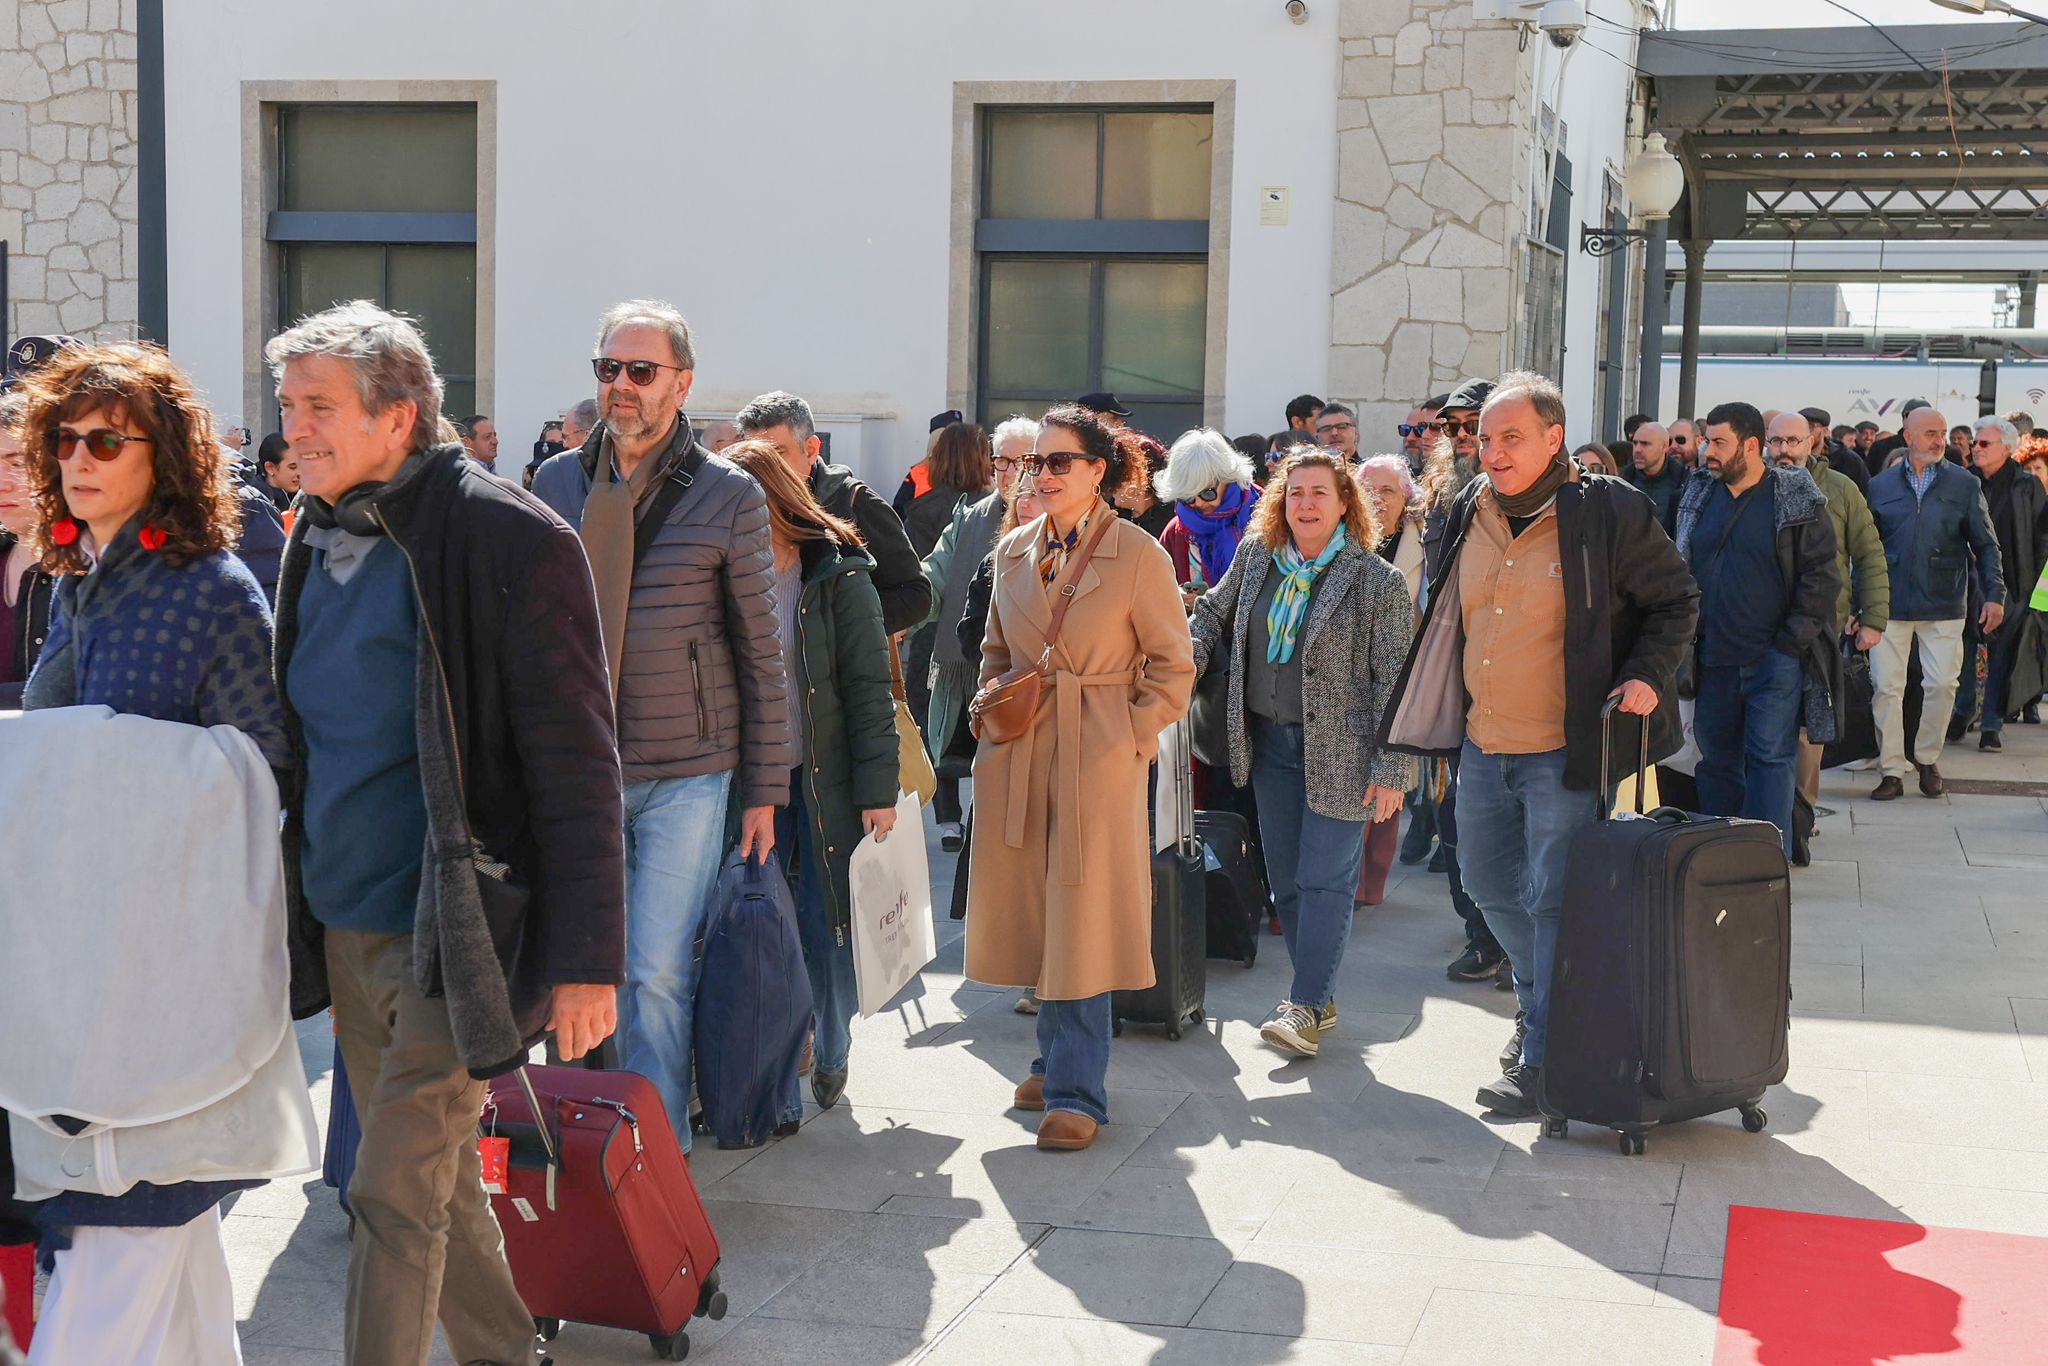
{"type": "Point", "coordinates": [1093, 239]}
{"type": "Point", "coordinates": [378, 201]}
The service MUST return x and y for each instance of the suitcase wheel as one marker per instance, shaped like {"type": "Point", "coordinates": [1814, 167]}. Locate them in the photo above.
{"type": "Point", "coordinates": [1556, 1128]}
{"type": "Point", "coordinates": [711, 1301]}
{"type": "Point", "coordinates": [1754, 1119]}
{"type": "Point", "coordinates": [1116, 1028]}
{"type": "Point", "coordinates": [670, 1346]}
{"type": "Point", "coordinates": [1195, 1019]}
{"type": "Point", "coordinates": [547, 1329]}
{"type": "Point", "coordinates": [1173, 1030]}
{"type": "Point", "coordinates": [1631, 1144]}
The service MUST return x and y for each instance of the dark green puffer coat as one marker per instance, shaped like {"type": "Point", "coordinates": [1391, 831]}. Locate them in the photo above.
{"type": "Point", "coordinates": [846, 713]}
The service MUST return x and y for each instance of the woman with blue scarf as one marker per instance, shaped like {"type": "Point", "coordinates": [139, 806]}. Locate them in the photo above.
{"type": "Point", "coordinates": [1214, 493]}
{"type": "Point", "coordinates": [1315, 627]}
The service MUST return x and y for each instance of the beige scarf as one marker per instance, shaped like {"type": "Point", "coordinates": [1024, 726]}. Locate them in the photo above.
{"type": "Point", "coordinates": [608, 516]}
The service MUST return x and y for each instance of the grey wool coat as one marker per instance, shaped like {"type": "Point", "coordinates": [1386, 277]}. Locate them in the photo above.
{"type": "Point", "coordinates": [1360, 623]}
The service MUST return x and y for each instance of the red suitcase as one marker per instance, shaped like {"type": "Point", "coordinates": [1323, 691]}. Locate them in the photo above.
{"type": "Point", "coordinates": [602, 1221]}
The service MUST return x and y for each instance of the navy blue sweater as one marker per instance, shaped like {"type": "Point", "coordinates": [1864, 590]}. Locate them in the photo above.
{"type": "Point", "coordinates": [187, 644]}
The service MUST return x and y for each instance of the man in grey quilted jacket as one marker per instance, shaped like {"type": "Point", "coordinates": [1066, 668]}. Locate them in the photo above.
{"type": "Point", "coordinates": [678, 545]}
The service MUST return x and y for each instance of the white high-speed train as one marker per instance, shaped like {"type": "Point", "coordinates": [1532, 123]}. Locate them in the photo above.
{"type": "Point", "coordinates": [1777, 367]}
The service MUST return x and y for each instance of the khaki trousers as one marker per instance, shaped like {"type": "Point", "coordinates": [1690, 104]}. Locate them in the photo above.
{"type": "Point", "coordinates": [1941, 652]}
{"type": "Point", "coordinates": [426, 1243]}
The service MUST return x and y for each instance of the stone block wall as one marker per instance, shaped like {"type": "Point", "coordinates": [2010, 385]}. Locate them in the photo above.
{"type": "Point", "coordinates": [1434, 131]}
{"type": "Point", "coordinates": [68, 109]}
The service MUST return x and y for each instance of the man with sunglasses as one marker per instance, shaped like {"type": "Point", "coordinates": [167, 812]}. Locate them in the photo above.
{"type": "Point", "coordinates": [2019, 518]}
{"type": "Point", "coordinates": [1416, 432]}
{"type": "Point", "coordinates": [678, 544]}
{"type": "Point", "coordinates": [1685, 442]}
{"type": "Point", "coordinates": [1457, 424]}
{"type": "Point", "coordinates": [784, 421]}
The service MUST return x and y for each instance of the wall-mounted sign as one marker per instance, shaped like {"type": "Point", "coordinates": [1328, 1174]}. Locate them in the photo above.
{"type": "Point", "coordinates": [1273, 206]}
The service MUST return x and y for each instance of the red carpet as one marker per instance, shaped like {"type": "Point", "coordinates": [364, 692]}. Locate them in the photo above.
{"type": "Point", "coordinates": [1814, 1290]}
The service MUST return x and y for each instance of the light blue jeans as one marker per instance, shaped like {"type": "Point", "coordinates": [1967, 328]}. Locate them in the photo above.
{"type": "Point", "coordinates": [1311, 862]}
{"type": "Point", "coordinates": [1516, 820]}
{"type": "Point", "coordinates": [675, 842]}
{"type": "Point", "coordinates": [828, 957]}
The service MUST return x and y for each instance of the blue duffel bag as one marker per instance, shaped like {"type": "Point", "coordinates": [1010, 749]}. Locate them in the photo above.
{"type": "Point", "coordinates": [753, 1004]}
{"type": "Point", "coordinates": [344, 1135]}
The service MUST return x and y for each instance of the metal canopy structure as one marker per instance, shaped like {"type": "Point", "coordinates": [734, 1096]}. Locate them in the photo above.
{"type": "Point", "coordinates": [1935, 132]}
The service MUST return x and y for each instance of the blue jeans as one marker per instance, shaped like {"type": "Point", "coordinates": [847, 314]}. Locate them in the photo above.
{"type": "Point", "coordinates": [1311, 862]}
{"type": "Point", "coordinates": [1516, 820]}
{"type": "Point", "coordinates": [675, 841]}
{"type": "Point", "coordinates": [1997, 672]}
{"type": "Point", "coordinates": [1073, 1055]}
{"type": "Point", "coordinates": [828, 957]}
{"type": "Point", "coordinates": [1747, 724]}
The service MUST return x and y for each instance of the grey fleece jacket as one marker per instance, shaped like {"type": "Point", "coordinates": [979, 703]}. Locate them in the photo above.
{"type": "Point", "coordinates": [702, 688]}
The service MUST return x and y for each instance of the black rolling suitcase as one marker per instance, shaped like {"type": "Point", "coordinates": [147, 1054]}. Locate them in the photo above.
{"type": "Point", "coordinates": [1671, 988]}
{"type": "Point", "coordinates": [1238, 903]}
{"type": "Point", "coordinates": [1180, 927]}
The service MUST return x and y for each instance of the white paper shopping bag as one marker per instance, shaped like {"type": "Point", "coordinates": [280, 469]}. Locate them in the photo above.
{"type": "Point", "coordinates": [892, 908]}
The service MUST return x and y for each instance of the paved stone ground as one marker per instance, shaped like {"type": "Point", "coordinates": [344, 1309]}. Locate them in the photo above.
{"type": "Point", "coordinates": [1356, 1209]}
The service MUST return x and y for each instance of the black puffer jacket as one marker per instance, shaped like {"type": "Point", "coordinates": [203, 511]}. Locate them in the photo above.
{"type": "Point", "coordinates": [899, 571]}
{"type": "Point", "coordinates": [516, 706]}
{"type": "Point", "coordinates": [32, 626]}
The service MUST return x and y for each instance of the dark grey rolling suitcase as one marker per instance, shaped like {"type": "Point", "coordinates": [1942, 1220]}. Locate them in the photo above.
{"type": "Point", "coordinates": [1671, 988]}
{"type": "Point", "coordinates": [1180, 927]}
{"type": "Point", "coordinates": [1238, 903]}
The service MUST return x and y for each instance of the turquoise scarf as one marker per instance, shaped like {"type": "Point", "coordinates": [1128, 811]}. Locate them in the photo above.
{"type": "Point", "coordinates": [1290, 600]}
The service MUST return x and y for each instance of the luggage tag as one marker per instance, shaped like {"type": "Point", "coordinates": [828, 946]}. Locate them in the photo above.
{"type": "Point", "coordinates": [496, 1153]}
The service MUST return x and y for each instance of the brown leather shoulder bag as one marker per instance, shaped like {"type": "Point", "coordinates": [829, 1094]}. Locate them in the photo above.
{"type": "Point", "coordinates": [1005, 709]}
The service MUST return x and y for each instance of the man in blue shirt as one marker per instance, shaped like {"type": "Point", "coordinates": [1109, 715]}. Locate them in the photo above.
{"type": "Point", "coordinates": [1762, 546]}
{"type": "Point", "coordinates": [1934, 521]}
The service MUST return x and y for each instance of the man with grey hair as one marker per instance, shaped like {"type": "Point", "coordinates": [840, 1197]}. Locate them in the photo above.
{"type": "Point", "coordinates": [1542, 640]}
{"type": "Point", "coordinates": [685, 576]}
{"type": "Point", "coordinates": [454, 874]}
{"type": "Point", "coordinates": [784, 421]}
{"type": "Point", "coordinates": [720, 434]}
{"type": "Point", "coordinates": [2019, 517]}
{"type": "Point", "coordinates": [1932, 516]}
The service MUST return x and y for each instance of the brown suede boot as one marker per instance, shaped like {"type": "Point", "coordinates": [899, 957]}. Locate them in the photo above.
{"type": "Point", "coordinates": [1065, 1131]}
{"type": "Point", "coordinates": [1030, 1094]}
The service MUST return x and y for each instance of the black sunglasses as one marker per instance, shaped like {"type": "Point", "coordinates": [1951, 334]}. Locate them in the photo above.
{"type": "Point", "coordinates": [641, 372]}
{"type": "Point", "coordinates": [101, 443]}
{"type": "Point", "coordinates": [1055, 464]}
{"type": "Point", "coordinates": [1211, 494]}
{"type": "Point", "coordinates": [1457, 426]}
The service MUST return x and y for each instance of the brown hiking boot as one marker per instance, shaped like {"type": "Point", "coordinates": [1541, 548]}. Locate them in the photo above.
{"type": "Point", "coordinates": [1890, 790]}
{"type": "Point", "coordinates": [1930, 780]}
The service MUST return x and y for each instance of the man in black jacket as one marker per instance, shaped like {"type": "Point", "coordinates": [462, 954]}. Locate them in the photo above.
{"type": "Point", "coordinates": [1761, 545]}
{"type": "Point", "coordinates": [784, 421]}
{"type": "Point", "coordinates": [1654, 472]}
{"type": "Point", "coordinates": [1558, 592]}
{"type": "Point", "coordinates": [2019, 517]}
{"type": "Point", "coordinates": [454, 866]}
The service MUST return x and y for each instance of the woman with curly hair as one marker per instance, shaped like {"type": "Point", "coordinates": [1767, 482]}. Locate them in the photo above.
{"type": "Point", "coordinates": [1061, 891]}
{"type": "Point", "coordinates": [154, 616]}
{"type": "Point", "coordinates": [1315, 627]}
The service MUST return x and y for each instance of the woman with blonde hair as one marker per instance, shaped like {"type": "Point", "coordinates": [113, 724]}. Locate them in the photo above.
{"type": "Point", "coordinates": [1061, 893]}
{"type": "Point", "coordinates": [844, 785]}
{"type": "Point", "coordinates": [1316, 628]}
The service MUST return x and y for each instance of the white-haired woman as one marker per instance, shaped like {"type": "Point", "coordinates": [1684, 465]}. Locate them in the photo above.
{"type": "Point", "coordinates": [1390, 485]}
{"type": "Point", "coordinates": [1213, 490]}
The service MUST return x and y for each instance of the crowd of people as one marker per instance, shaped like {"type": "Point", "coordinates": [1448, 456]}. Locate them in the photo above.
{"type": "Point", "coordinates": [515, 733]}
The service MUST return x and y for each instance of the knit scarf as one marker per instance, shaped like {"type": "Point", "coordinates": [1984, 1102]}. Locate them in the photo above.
{"type": "Point", "coordinates": [1215, 534]}
{"type": "Point", "coordinates": [1530, 500]}
{"type": "Point", "coordinates": [607, 532]}
{"type": "Point", "coordinates": [1290, 600]}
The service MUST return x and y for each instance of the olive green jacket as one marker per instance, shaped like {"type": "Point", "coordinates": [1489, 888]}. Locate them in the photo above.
{"type": "Point", "coordinates": [1857, 547]}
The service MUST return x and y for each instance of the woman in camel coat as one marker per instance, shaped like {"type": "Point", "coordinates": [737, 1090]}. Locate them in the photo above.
{"type": "Point", "coordinates": [1061, 891]}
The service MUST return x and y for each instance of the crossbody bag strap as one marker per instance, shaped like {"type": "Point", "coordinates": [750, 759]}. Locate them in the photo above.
{"type": "Point", "coordinates": [896, 672]}
{"type": "Point", "coordinates": [1074, 572]}
{"type": "Point", "coordinates": [661, 504]}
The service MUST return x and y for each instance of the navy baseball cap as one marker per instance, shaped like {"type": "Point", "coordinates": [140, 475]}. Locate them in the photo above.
{"type": "Point", "coordinates": [1103, 403]}
{"type": "Point", "coordinates": [27, 353]}
{"type": "Point", "coordinates": [941, 421]}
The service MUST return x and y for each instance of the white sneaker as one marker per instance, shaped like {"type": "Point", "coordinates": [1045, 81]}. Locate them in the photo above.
{"type": "Point", "coordinates": [949, 836]}
{"type": "Point", "coordinates": [1293, 1029]}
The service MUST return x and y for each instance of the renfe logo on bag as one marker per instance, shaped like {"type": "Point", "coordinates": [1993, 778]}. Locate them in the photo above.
{"type": "Point", "coordinates": [892, 909]}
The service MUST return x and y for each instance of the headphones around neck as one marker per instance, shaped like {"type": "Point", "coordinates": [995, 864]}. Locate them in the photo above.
{"type": "Point", "coordinates": [352, 512]}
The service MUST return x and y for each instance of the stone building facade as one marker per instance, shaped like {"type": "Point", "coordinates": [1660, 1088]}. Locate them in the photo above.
{"type": "Point", "coordinates": [68, 166]}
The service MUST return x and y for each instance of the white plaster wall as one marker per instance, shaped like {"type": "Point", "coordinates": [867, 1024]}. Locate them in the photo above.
{"type": "Point", "coordinates": [779, 171]}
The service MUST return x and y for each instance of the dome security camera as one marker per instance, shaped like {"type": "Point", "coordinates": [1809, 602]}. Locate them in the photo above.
{"type": "Point", "coordinates": [1297, 10]}
{"type": "Point", "coordinates": [1562, 21]}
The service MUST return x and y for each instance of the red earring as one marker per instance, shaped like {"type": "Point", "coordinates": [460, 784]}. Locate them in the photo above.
{"type": "Point", "coordinates": [152, 537]}
{"type": "Point", "coordinates": [63, 531]}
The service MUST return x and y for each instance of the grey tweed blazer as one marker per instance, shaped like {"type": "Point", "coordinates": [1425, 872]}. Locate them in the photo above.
{"type": "Point", "coordinates": [1353, 645]}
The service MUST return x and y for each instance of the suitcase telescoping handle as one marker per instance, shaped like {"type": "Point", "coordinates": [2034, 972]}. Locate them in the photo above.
{"type": "Point", "coordinates": [1184, 784]}
{"type": "Point", "coordinates": [541, 1117]}
{"type": "Point", "coordinates": [1607, 711]}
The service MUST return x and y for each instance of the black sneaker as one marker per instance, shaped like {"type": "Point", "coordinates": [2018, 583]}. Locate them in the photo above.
{"type": "Point", "coordinates": [1475, 964]}
{"type": "Point", "coordinates": [1438, 861]}
{"type": "Point", "coordinates": [1517, 1095]}
{"type": "Point", "coordinates": [1504, 980]}
{"type": "Point", "coordinates": [1418, 840]}
{"type": "Point", "coordinates": [1957, 727]}
{"type": "Point", "coordinates": [2031, 713]}
{"type": "Point", "coordinates": [1512, 1054]}
{"type": "Point", "coordinates": [1989, 740]}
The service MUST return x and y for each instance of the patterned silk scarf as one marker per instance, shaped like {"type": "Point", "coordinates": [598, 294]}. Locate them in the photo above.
{"type": "Point", "coordinates": [1058, 549]}
{"type": "Point", "coordinates": [1290, 600]}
